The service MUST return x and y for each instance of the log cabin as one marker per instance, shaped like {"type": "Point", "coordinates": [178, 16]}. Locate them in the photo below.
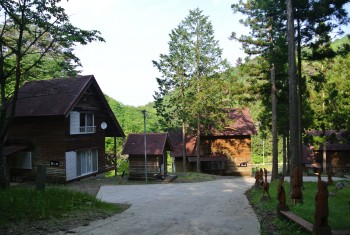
{"type": "Point", "coordinates": [337, 149]}
{"type": "Point", "coordinates": [157, 147]}
{"type": "Point", "coordinates": [60, 124]}
{"type": "Point", "coordinates": [224, 152]}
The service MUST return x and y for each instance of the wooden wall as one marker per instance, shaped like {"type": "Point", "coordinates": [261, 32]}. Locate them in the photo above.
{"type": "Point", "coordinates": [137, 166]}
{"type": "Point", "coordinates": [238, 151]}
{"type": "Point", "coordinates": [50, 138]}
{"type": "Point", "coordinates": [179, 165]}
{"type": "Point", "coordinates": [46, 135]}
{"type": "Point", "coordinates": [338, 160]}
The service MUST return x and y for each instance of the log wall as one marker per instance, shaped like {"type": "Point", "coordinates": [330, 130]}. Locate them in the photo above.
{"type": "Point", "coordinates": [137, 166]}
{"type": "Point", "coordinates": [50, 139]}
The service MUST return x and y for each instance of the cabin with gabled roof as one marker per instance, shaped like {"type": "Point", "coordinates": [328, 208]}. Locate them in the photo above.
{"type": "Point", "coordinates": [60, 124]}
{"type": "Point", "coordinates": [336, 149]}
{"type": "Point", "coordinates": [157, 147]}
{"type": "Point", "coordinates": [223, 152]}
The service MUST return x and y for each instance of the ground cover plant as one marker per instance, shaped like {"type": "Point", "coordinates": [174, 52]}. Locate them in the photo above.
{"type": "Point", "coordinates": [46, 210]}
{"type": "Point", "coordinates": [24, 210]}
{"type": "Point", "coordinates": [338, 205]}
{"type": "Point", "coordinates": [266, 210]}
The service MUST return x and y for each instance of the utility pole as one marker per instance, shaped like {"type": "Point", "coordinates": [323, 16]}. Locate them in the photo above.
{"type": "Point", "coordinates": [145, 141]}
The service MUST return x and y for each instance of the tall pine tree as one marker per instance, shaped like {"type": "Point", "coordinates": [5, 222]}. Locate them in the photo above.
{"type": "Point", "coordinates": [193, 76]}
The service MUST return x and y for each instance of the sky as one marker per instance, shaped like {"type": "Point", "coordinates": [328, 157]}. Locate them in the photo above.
{"type": "Point", "coordinates": [137, 32]}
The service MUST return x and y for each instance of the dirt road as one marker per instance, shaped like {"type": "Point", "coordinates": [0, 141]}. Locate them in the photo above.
{"type": "Point", "coordinates": [215, 207]}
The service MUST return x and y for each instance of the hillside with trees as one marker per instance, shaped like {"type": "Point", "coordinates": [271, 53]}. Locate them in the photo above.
{"type": "Point", "coordinates": [264, 80]}
{"type": "Point", "coordinates": [37, 42]}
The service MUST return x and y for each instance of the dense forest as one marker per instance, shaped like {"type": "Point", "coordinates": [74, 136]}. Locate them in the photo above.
{"type": "Point", "coordinates": [294, 79]}
{"type": "Point", "coordinates": [336, 86]}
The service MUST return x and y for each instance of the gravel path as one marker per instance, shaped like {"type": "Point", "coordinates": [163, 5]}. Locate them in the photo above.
{"type": "Point", "coordinates": [213, 207]}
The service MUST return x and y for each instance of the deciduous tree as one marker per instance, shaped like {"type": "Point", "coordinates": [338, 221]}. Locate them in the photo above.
{"type": "Point", "coordinates": [30, 30]}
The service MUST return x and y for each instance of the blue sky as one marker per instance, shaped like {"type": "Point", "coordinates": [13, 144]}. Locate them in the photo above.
{"type": "Point", "coordinates": [137, 32]}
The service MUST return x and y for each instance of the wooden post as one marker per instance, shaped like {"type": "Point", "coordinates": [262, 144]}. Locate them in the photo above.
{"type": "Point", "coordinates": [41, 177]}
{"type": "Point", "coordinates": [115, 156]}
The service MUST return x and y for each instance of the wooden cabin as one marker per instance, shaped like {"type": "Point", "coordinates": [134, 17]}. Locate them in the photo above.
{"type": "Point", "coordinates": [157, 147]}
{"type": "Point", "coordinates": [337, 153]}
{"type": "Point", "coordinates": [225, 152]}
{"type": "Point", "coordinates": [61, 124]}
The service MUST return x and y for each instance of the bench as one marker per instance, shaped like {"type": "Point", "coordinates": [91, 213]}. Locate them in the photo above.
{"type": "Point", "coordinates": [303, 223]}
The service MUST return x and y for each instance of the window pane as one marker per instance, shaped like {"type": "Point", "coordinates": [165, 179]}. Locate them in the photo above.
{"type": "Point", "coordinates": [82, 120]}
{"type": "Point", "coordinates": [87, 161]}
{"type": "Point", "coordinates": [89, 119]}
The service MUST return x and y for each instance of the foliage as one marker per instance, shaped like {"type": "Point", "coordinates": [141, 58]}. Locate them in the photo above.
{"type": "Point", "coordinates": [131, 120]}
{"type": "Point", "coordinates": [316, 24]}
{"type": "Point", "coordinates": [192, 88]}
{"type": "Point", "coordinates": [337, 205]}
{"type": "Point", "coordinates": [266, 210]}
{"type": "Point", "coordinates": [327, 88]}
{"type": "Point", "coordinates": [267, 38]}
{"type": "Point", "coordinates": [30, 31]}
{"type": "Point", "coordinates": [54, 202]}
{"type": "Point", "coordinates": [191, 177]}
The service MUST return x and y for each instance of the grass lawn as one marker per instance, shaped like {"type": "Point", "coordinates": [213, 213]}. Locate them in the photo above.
{"type": "Point", "coordinates": [24, 210]}
{"type": "Point", "coordinates": [22, 206]}
{"type": "Point", "coordinates": [339, 208]}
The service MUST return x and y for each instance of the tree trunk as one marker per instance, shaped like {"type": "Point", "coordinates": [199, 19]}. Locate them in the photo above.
{"type": "Point", "coordinates": [274, 174]}
{"type": "Point", "coordinates": [184, 146]}
{"type": "Point", "coordinates": [284, 168]}
{"type": "Point", "coordinates": [293, 96]}
{"type": "Point", "coordinates": [4, 181]}
{"type": "Point", "coordinates": [324, 148]}
{"type": "Point", "coordinates": [288, 153]}
{"type": "Point", "coordinates": [115, 162]}
{"type": "Point", "coordinates": [300, 100]}
{"type": "Point", "coordinates": [198, 149]}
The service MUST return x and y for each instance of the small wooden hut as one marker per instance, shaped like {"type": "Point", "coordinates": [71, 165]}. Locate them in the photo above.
{"type": "Point", "coordinates": [157, 146]}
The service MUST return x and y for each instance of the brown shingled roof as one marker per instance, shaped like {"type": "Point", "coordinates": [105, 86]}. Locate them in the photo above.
{"type": "Point", "coordinates": [156, 144]}
{"type": "Point", "coordinates": [337, 140]}
{"type": "Point", "coordinates": [51, 97]}
{"type": "Point", "coordinates": [56, 97]}
{"type": "Point", "coordinates": [176, 141]}
{"type": "Point", "coordinates": [239, 123]}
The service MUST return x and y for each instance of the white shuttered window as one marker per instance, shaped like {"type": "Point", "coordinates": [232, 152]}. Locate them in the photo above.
{"type": "Point", "coordinates": [81, 123]}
